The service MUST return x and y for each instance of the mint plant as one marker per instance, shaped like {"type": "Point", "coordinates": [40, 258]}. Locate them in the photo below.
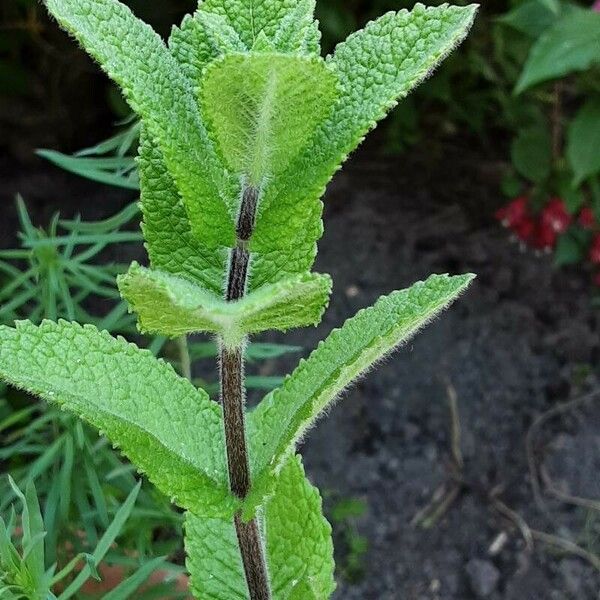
{"type": "Point", "coordinates": [243, 125]}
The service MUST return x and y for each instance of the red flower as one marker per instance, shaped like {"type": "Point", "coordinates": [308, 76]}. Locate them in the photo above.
{"type": "Point", "coordinates": [544, 236]}
{"type": "Point", "coordinates": [555, 215]}
{"type": "Point", "coordinates": [525, 229]}
{"type": "Point", "coordinates": [594, 254]}
{"type": "Point", "coordinates": [586, 219]}
{"type": "Point", "coordinates": [511, 214]}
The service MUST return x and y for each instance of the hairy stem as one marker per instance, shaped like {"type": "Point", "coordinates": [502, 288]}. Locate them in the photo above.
{"type": "Point", "coordinates": [232, 398]}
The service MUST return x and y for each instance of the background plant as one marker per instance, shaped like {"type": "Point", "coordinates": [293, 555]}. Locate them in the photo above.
{"type": "Point", "coordinates": [554, 155]}
{"type": "Point", "coordinates": [82, 482]}
{"type": "Point", "coordinates": [231, 174]}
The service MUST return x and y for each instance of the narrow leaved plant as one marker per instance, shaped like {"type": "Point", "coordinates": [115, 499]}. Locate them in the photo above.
{"type": "Point", "coordinates": [243, 125]}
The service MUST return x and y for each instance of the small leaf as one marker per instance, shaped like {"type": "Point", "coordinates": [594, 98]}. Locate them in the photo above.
{"type": "Point", "coordinates": [531, 153]}
{"type": "Point", "coordinates": [283, 417]}
{"type": "Point", "coordinates": [170, 430]}
{"type": "Point", "coordinates": [583, 148]}
{"type": "Point", "coordinates": [192, 48]}
{"type": "Point", "coordinates": [571, 247]}
{"type": "Point", "coordinates": [296, 536]}
{"type": "Point", "coordinates": [376, 67]}
{"type": "Point", "coordinates": [264, 108]}
{"type": "Point", "coordinates": [174, 306]}
{"type": "Point", "coordinates": [571, 45]}
{"type": "Point", "coordinates": [296, 30]}
{"type": "Point", "coordinates": [221, 34]}
{"type": "Point", "coordinates": [33, 531]}
{"type": "Point", "coordinates": [263, 44]}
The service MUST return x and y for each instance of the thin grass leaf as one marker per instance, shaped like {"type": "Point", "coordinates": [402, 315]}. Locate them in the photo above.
{"type": "Point", "coordinates": [96, 490]}
{"type": "Point", "coordinates": [105, 543]}
{"type": "Point", "coordinates": [66, 477]}
{"type": "Point", "coordinates": [123, 217]}
{"type": "Point", "coordinates": [126, 588]}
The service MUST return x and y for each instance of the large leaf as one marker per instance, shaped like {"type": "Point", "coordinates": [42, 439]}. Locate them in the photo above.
{"type": "Point", "coordinates": [583, 148]}
{"type": "Point", "coordinates": [169, 240]}
{"type": "Point", "coordinates": [571, 45]}
{"type": "Point", "coordinates": [297, 539]}
{"type": "Point", "coordinates": [136, 58]}
{"type": "Point", "coordinates": [376, 67]}
{"type": "Point", "coordinates": [170, 430]}
{"type": "Point", "coordinates": [282, 418]}
{"type": "Point", "coordinates": [263, 109]}
{"type": "Point", "coordinates": [174, 306]}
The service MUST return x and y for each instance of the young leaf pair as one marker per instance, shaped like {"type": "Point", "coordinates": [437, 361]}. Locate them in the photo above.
{"type": "Point", "coordinates": [244, 124]}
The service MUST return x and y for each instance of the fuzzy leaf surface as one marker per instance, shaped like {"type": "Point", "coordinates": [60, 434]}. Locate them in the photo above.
{"type": "Point", "coordinates": [376, 67]}
{"type": "Point", "coordinates": [200, 39]}
{"type": "Point", "coordinates": [174, 306]}
{"type": "Point", "coordinates": [192, 48]}
{"type": "Point", "coordinates": [166, 427]}
{"type": "Point", "coordinates": [297, 539]}
{"type": "Point", "coordinates": [251, 17]}
{"type": "Point", "coordinates": [263, 108]}
{"type": "Point", "coordinates": [170, 243]}
{"type": "Point", "coordinates": [282, 418]}
{"type": "Point", "coordinates": [297, 32]}
{"type": "Point", "coordinates": [261, 26]}
{"type": "Point", "coordinates": [135, 57]}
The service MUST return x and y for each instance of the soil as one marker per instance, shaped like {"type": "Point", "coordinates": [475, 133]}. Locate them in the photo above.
{"type": "Point", "coordinates": [520, 342]}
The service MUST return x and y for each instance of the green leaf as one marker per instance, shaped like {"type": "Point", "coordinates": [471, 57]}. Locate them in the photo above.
{"type": "Point", "coordinates": [376, 67]}
{"type": "Point", "coordinates": [102, 170]}
{"type": "Point", "coordinates": [533, 17]}
{"type": "Point", "coordinates": [251, 17]}
{"type": "Point", "coordinates": [583, 147]}
{"type": "Point", "coordinates": [192, 48]}
{"type": "Point", "coordinates": [33, 532]}
{"type": "Point", "coordinates": [296, 32]}
{"type": "Point", "coordinates": [571, 247]}
{"type": "Point", "coordinates": [283, 417]}
{"type": "Point", "coordinates": [169, 240]}
{"type": "Point", "coordinates": [264, 108]}
{"type": "Point", "coordinates": [531, 153]}
{"type": "Point", "coordinates": [173, 306]}
{"type": "Point", "coordinates": [571, 45]}
{"type": "Point", "coordinates": [136, 58]}
{"type": "Point", "coordinates": [130, 585]}
{"type": "Point", "coordinates": [170, 430]}
{"type": "Point", "coordinates": [104, 544]}
{"type": "Point", "coordinates": [222, 36]}
{"type": "Point", "coordinates": [297, 540]}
